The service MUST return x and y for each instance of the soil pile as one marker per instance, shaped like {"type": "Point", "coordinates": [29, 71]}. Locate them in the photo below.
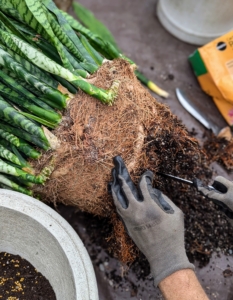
{"type": "Point", "coordinates": [144, 132]}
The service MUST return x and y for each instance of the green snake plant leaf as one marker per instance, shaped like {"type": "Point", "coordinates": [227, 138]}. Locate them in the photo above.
{"type": "Point", "coordinates": [34, 14]}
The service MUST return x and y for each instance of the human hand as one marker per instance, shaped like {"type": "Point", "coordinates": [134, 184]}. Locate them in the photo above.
{"type": "Point", "coordinates": [152, 220]}
{"type": "Point", "coordinates": [222, 195]}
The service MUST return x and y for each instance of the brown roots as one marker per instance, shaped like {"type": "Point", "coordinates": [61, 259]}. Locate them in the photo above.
{"type": "Point", "coordinates": [137, 127]}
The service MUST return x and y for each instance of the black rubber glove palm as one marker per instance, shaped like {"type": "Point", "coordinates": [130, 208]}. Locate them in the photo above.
{"type": "Point", "coordinates": [152, 220]}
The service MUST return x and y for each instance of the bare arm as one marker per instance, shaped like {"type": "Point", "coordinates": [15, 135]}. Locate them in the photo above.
{"type": "Point", "coordinates": [182, 285]}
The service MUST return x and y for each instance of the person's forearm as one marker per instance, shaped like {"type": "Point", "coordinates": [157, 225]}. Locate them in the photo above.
{"type": "Point", "coordinates": [182, 285]}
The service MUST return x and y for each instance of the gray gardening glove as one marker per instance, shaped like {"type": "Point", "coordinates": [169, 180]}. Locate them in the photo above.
{"type": "Point", "coordinates": [222, 195]}
{"type": "Point", "coordinates": [152, 220]}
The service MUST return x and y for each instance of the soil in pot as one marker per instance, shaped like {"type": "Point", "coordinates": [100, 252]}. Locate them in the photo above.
{"type": "Point", "coordinates": [20, 280]}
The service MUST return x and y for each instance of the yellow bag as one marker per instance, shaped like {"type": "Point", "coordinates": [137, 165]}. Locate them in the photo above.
{"type": "Point", "coordinates": [213, 66]}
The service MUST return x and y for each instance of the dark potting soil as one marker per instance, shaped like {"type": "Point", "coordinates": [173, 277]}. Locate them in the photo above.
{"type": "Point", "coordinates": [19, 280]}
{"type": "Point", "coordinates": [207, 230]}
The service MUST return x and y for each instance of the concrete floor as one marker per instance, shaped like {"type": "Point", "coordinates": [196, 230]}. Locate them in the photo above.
{"type": "Point", "coordinates": [158, 54]}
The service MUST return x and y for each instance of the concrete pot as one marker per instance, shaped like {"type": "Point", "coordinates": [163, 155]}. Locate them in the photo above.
{"type": "Point", "coordinates": [196, 22]}
{"type": "Point", "coordinates": [36, 232]}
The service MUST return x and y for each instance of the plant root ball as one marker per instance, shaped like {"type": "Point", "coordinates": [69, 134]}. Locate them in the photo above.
{"type": "Point", "coordinates": [137, 127]}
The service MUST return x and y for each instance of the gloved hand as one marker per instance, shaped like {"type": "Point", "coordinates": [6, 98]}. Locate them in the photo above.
{"type": "Point", "coordinates": [222, 196]}
{"type": "Point", "coordinates": [152, 220]}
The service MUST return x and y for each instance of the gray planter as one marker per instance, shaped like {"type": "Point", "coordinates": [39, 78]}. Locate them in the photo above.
{"type": "Point", "coordinates": [36, 232]}
{"type": "Point", "coordinates": [196, 22]}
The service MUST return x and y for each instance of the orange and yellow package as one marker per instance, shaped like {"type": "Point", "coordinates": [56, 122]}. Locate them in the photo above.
{"type": "Point", "coordinates": [213, 66]}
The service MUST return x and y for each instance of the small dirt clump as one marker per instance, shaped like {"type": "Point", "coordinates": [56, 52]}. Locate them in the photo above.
{"type": "Point", "coordinates": [20, 280]}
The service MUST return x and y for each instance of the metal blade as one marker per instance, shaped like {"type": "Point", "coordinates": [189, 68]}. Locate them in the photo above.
{"type": "Point", "coordinates": [189, 182]}
{"type": "Point", "coordinates": [176, 178]}
{"type": "Point", "coordinates": [187, 104]}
